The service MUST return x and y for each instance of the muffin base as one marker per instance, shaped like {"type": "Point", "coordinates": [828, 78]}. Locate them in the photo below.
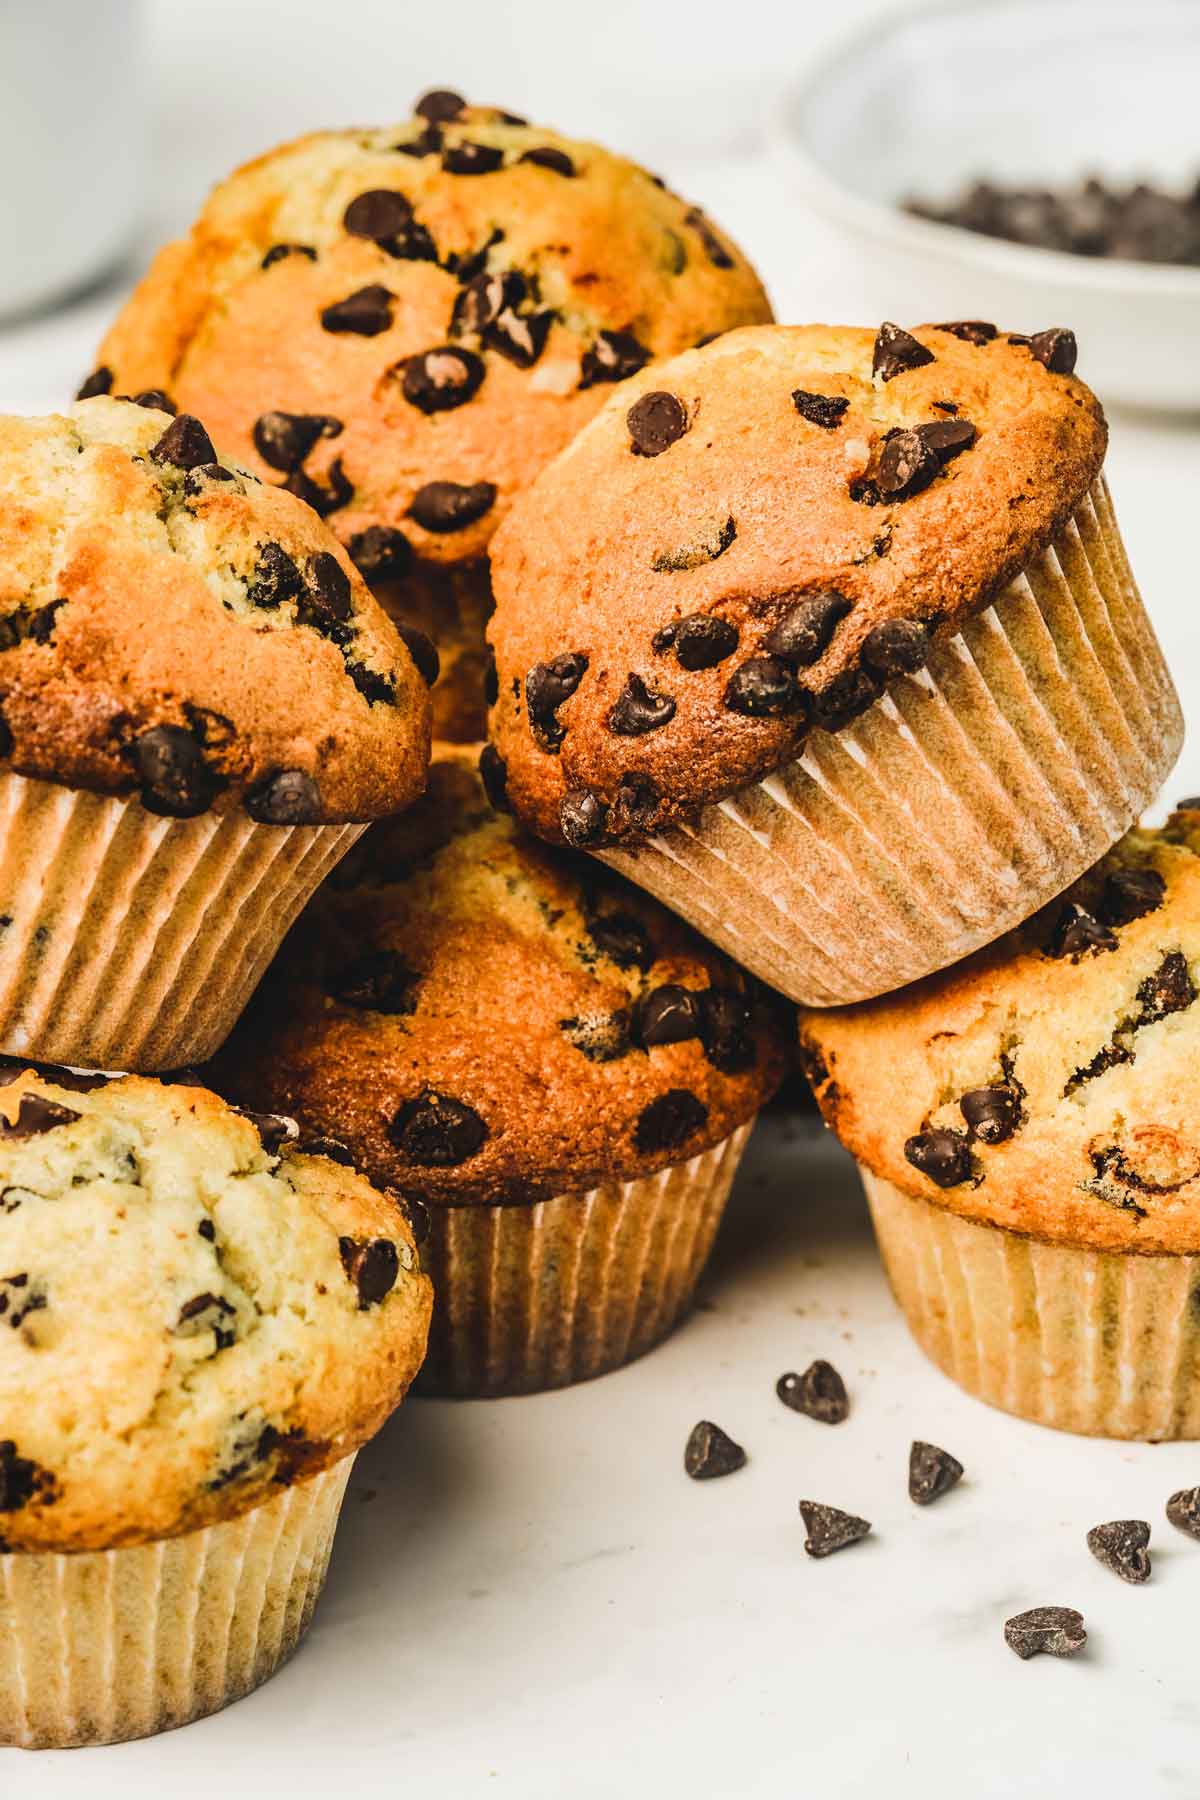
{"type": "Point", "coordinates": [966, 798]}
{"type": "Point", "coordinates": [1104, 1343]}
{"type": "Point", "coordinates": [538, 1295]}
{"type": "Point", "coordinates": [132, 941]}
{"type": "Point", "coordinates": [106, 1645]}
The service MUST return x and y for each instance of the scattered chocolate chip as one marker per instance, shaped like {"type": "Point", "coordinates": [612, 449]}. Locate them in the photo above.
{"type": "Point", "coordinates": [275, 577]}
{"type": "Point", "coordinates": [284, 439]}
{"type": "Point", "coordinates": [445, 506]}
{"type": "Point", "coordinates": [714, 249]}
{"type": "Point", "coordinates": [175, 779]}
{"type": "Point", "coordinates": [545, 156]}
{"type": "Point", "coordinates": [931, 1473]}
{"type": "Point", "coordinates": [991, 1113]}
{"type": "Point", "coordinates": [98, 382]}
{"type": "Point", "coordinates": [763, 688]}
{"type": "Point", "coordinates": [331, 1148]}
{"type": "Point", "coordinates": [829, 1529]}
{"type": "Point", "coordinates": [947, 438]}
{"type": "Point", "coordinates": [289, 797]}
{"type": "Point", "coordinates": [668, 1122]}
{"type": "Point", "coordinates": [205, 1312]}
{"type": "Point", "coordinates": [466, 268]}
{"type": "Point", "coordinates": [1168, 990]}
{"type": "Point", "coordinates": [601, 1037]}
{"type": "Point", "coordinates": [22, 1480]}
{"type": "Point", "coordinates": [582, 817]}
{"type": "Point", "coordinates": [379, 213]}
{"type": "Point", "coordinates": [639, 709]}
{"type": "Point", "coordinates": [436, 1131]}
{"type": "Point", "coordinates": [371, 1266]}
{"type": "Point", "coordinates": [547, 686]}
{"type": "Point", "coordinates": [277, 252]}
{"type": "Point", "coordinates": [703, 549]}
{"type": "Point", "coordinates": [381, 553]}
{"type": "Point", "coordinates": [710, 1452]}
{"type": "Point", "coordinates": [423, 651]}
{"type": "Point", "coordinates": [666, 1015]}
{"type": "Point", "coordinates": [154, 400]}
{"type": "Point", "coordinates": [207, 1230]}
{"type": "Point", "coordinates": [820, 1393]}
{"type": "Point", "coordinates": [19, 1297]}
{"type": "Point", "coordinates": [1052, 1630]}
{"type": "Point", "coordinates": [376, 981]}
{"type": "Point", "coordinates": [946, 406]}
{"type": "Point", "coordinates": [971, 331]}
{"type": "Point", "coordinates": [623, 938]}
{"type": "Point", "coordinates": [1056, 349]}
{"type": "Point", "coordinates": [802, 634]}
{"type": "Point", "coordinates": [1077, 934]}
{"type": "Point", "coordinates": [521, 337]}
{"type": "Point", "coordinates": [844, 699]}
{"type": "Point", "coordinates": [323, 500]}
{"type": "Point", "coordinates": [1129, 894]}
{"type": "Point", "coordinates": [942, 1155]}
{"type": "Point", "coordinates": [196, 479]}
{"type": "Point", "coordinates": [439, 380]}
{"type": "Point", "coordinates": [897, 350]}
{"type": "Point", "coordinates": [1121, 1546]}
{"type": "Point", "coordinates": [699, 640]}
{"type": "Point", "coordinates": [655, 422]}
{"type": "Point", "coordinates": [483, 299]}
{"type": "Point", "coordinates": [33, 625]}
{"type": "Point", "coordinates": [907, 464]}
{"type": "Point", "coordinates": [36, 1114]}
{"type": "Point", "coordinates": [897, 647]}
{"type": "Point", "coordinates": [614, 356]}
{"type": "Point", "coordinates": [327, 586]}
{"type": "Point", "coordinates": [185, 444]}
{"type": "Point", "coordinates": [439, 106]}
{"type": "Point", "coordinates": [1183, 1510]}
{"type": "Point", "coordinates": [274, 1129]}
{"type": "Point", "coordinates": [726, 1030]}
{"type": "Point", "coordinates": [365, 313]}
{"type": "Point", "coordinates": [467, 158]}
{"type": "Point", "coordinates": [493, 772]}
{"type": "Point", "coordinates": [825, 410]}
{"type": "Point", "coordinates": [426, 143]}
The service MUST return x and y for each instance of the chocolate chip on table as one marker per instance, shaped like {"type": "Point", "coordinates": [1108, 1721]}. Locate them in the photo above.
{"type": "Point", "coordinates": [381, 553]}
{"type": "Point", "coordinates": [714, 249]}
{"type": "Point", "coordinates": [942, 1155]}
{"type": "Point", "coordinates": [323, 500]}
{"type": "Point", "coordinates": [655, 422]}
{"type": "Point", "coordinates": [288, 797]}
{"type": "Point", "coordinates": [493, 772]}
{"type": "Point", "coordinates": [763, 688]}
{"type": "Point", "coordinates": [668, 1122]}
{"type": "Point", "coordinates": [639, 709]}
{"type": "Point", "coordinates": [971, 331]}
{"type": "Point", "coordinates": [829, 1529]}
{"type": "Point", "coordinates": [897, 647]}
{"type": "Point", "coordinates": [803, 633]}
{"type": "Point", "coordinates": [437, 1131]}
{"type": "Point", "coordinates": [284, 439]}
{"type": "Point", "coordinates": [441, 379]}
{"type": "Point", "coordinates": [932, 1472]}
{"type": "Point", "coordinates": [328, 585]}
{"type": "Point", "coordinates": [36, 1114]}
{"type": "Point", "coordinates": [1121, 1546]}
{"type": "Point", "coordinates": [445, 506]}
{"type": "Point", "coordinates": [711, 1452]}
{"type": "Point", "coordinates": [1183, 1510]}
{"type": "Point", "coordinates": [582, 817]}
{"type": "Point", "coordinates": [331, 1148]}
{"type": "Point", "coordinates": [439, 106]}
{"type": "Point", "coordinates": [666, 1015]}
{"type": "Point", "coordinates": [623, 938]}
{"type": "Point", "coordinates": [601, 1037]}
{"type": "Point", "coordinates": [185, 444]}
{"type": "Point", "coordinates": [547, 686]}
{"type": "Point", "coordinates": [825, 410]}
{"type": "Point", "coordinates": [699, 640]}
{"type": "Point", "coordinates": [379, 213]}
{"type": "Point", "coordinates": [546, 156]}
{"type": "Point", "coordinates": [726, 1030]}
{"type": "Point", "coordinates": [1129, 894]}
{"type": "Point", "coordinates": [98, 382]}
{"type": "Point", "coordinates": [277, 252]}
{"type": "Point", "coordinates": [376, 981]}
{"type": "Point", "coordinates": [897, 350]}
{"type": "Point", "coordinates": [154, 400]}
{"type": "Point", "coordinates": [820, 1393]}
{"type": "Point", "coordinates": [992, 1113]}
{"type": "Point", "coordinates": [614, 356]}
{"type": "Point", "coordinates": [371, 1266]}
{"type": "Point", "coordinates": [364, 313]}
{"type": "Point", "coordinates": [275, 577]}
{"type": "Point", "coordinates": [175, 779]}
{"type": "Point", "coordinates": [467, 158]}
{"type": "Point", "coordinates": [1077, 933]}
{"type": "Point", "coordinates": [1045, 1630]}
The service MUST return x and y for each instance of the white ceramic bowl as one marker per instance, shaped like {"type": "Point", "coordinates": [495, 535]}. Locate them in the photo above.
{"type": "Point", "coordinates": [1038, 91]}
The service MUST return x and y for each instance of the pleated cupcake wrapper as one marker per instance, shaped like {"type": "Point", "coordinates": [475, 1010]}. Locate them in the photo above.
{"type": "Point", "coordinates": [1099, 1342]}
{"type": "Point", "coordinates": [967, 797]}
{"type": "Point", "coordinates": [129, 941]}
{"type": "Point", "coordinates": [113, 1644]}
{"type": "Point", "coordinates": [539, 1295]}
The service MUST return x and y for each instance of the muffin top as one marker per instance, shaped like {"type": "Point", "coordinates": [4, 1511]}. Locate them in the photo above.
{"type": "Point", "coordinates": [1051, 1083]}
{"type": "Point", "coordinates": [171, 624]}
{"type": "Point", "coordinates": [192, 1313]}
{"type": "Point", "coordinates": [403, 325]}
{"type": "Point", "coordinates": [482, 1019]}
{"type": "Point", "coordinates": [751, 540]}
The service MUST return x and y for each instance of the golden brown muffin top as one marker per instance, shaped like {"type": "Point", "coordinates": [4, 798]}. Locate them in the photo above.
{"type": "Point", "coordinates": [751, 540]}
{"type": "Point", "coordinates": [479, 1018]}
{"type": "Point", "coordinates": [193, 1314]}
{"type": "Point", "coordinates": [404, 324]}
{"type": "Point", "coordinates": [169, 624]}
{"type": "Point", "coordinates": [1051, 1083]}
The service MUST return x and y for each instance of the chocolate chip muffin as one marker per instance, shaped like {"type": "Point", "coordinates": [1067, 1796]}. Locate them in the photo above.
{"type": "Point", "coordinates": [200, 1323]}
{"type": "Point", "coordinates": [1026, 1129]}
{"type": "Point", "coordinates": [827, 638]}
{"type": "Point", "coordinates": [555, 1066]}
{"type": "Point", "coordinates": [201, 706]}
{"type": "Point", "coordinates": [404, 325]}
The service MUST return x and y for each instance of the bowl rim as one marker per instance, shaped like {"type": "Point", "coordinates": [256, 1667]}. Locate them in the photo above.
{"type": "Point", "coordinates": [909, 232]}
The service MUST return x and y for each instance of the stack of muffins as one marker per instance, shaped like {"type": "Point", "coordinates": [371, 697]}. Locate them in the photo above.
{"type": "Point", "coordinates": [811, 664]}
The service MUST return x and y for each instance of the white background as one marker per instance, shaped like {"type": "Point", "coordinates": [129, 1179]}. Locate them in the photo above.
{"type": "Point", "coordinates": [528, 1598]}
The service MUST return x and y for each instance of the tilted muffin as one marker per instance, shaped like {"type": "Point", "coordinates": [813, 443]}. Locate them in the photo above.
{"type": "Point", "coordinates": [200, 708]}
{"type": "Point", "coordinates": [404, 325]}
{"type": "Point", "coordinates": [827, 638]}
{"type": "Point", "coordinates": [199, 1326]}
{"type": "Point", "coordinates": [1026, 1126]}
{"type": "Point", "coordinates": [562, 1072]}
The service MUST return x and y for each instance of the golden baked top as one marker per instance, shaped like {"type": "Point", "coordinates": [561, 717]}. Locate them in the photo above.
{"type": "Point", "coordinates": [170, 624]}
{"type": "Point", "coordinates": [192, 1312]}
{"type": "Point", "coordinates": [404, 324]}
{"type": "Point", "coordinates": [479, 1018]}
{"type": "Point", "coordinates": [1051, 1083]}
{"type": "Point", "coordinates": [751, 540]}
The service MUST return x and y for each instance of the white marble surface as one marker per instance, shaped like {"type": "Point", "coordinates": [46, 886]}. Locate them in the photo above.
{"type": "Point", "coordinates": [528, 1598]}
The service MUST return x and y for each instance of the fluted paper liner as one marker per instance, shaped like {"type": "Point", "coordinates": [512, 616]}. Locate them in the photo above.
{"type": "Point", "coordinates": [129, 941]}
{"type": "Point", "coordinates": [967, 797]}
{"type": "Point", "coordinates": [1100, 1342]}
{"type": "Point", "coordinates": [540, 1295]}
{"type": "Point", "coordinates": [113, 1644]}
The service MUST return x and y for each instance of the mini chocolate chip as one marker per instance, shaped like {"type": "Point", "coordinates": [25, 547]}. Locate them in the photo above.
{"type": "Point", "coordinates": [825, 410]}
{"type": "Point", "coordinates": [365, 313]}
{"type": "Point", "coordinates": [204, 1312]}
{"type": "Point", "coordinates": [521, 337]}
{"type": "Point", "coordinates": [467, 158]}
{"type": "Point", "coordinates": [379, 213]}
{"type": "Point", "coordinates": [154, 400]}
{"type": "Point", "coordinates": [582, 817]}
{"type": "Point", "coordinates": [438, 380]}
{"type": "Point", "coordinates": [444, 506]}
{"type": "Point", "coordinates": [991, 1112]}
{"type": "Point", "coordinates": [623, 938]}
{"type": "Point", "coordinates": [820, 1393]}
{"type": "Point", "coordinates": [614, 356]}
{"type": "Point", "coordinates": [710, 1452]}
{"type": "Point", "coordinates": [436, 1131]}
{"type": "Point", "coordinates": [1183, 1510]}
{"type": "Point", "coordinates": [1121, 1546]}
{"type": "Point", "coordinates": [207, 1230]}
{"type": "Point", "coordinates": [725, 1030]}
{"type": "Point", "coordinates": [639, 709]}
{"type": "Point", "coordinates": [175, 779]}
{"type": "Point", "coordinates": [331, 1148]}
{"type": "Point", "coordinates": [484, 298]}
{"type": "Point", "coordinates": [184, 443]}
{"type": "Point", "coordinates": [323, 500]}
{"type": "Point", "coordinates": [371, 1266]}
{"type": "Point", "coordinates": [289, 797]}
{"type": "Point", "coordinates": [1129, 894]}
{"type": "Point", "coordinates": [897, 647]}
{"type": "Point", "coordinates": [668, 1122]}
{"type": "Point", "coordinates": [897, 350]}
{"type": "Point", "coordinates": [907, 464]}
{"type": "Point", "coordinates": [601, 1037]}
{"type": "Point", "coordinates": [439, 105]}
{"type": "Point", "coordinates": [328, 585]}
{"type": "Point", "coordinates": [547, 686]}
{"type": "Point", "coordinates": [1053, 1630]}
{"type": "Point", "coordinates": [1077, 934]}
{"type": "Point", "coordinates": [763, 688]}
{"type": "Point", "coordinates": [829, 1529]}
{"type": "Point", "coordinates": [98, 382]}
{"type": "Point", "coordinates": [493, 772]}
{"type": "Point", "coordinates": [942, 1155]}
{"type": "Point", "coordinates": [971, 331]}
{"type": "Point", "coordinates": [277, 252]}
{"type": "Point", "coordinates": [714, 249]}
{"type": "Point", "coordinates": [376, 981]}
{"type": "Point", "coordinates": [699, 640]}
{"type": "Point", "coordinates": [284, 439]}
{"type": "Point", "coordinates": [655, 422]}
{"type": "Point", "coordinates": [546, 156]}
{"type": "Point", "coordinates": [931, 1473]}
{"type": "Point", "coordinates": [36, 1114]}
{"type": "Point", "coordinates": [275, 577]}
{"type": "Point", "coordinates": [423, 650]}
{"type": "Point", "coordinates": [666, 1015]}
{"type": "Point", "coordinates": [1056, 349]}
{"type": "Point", "coordinates": [381, 553]}
{"type": "Point", "coordinates": [803, 633]}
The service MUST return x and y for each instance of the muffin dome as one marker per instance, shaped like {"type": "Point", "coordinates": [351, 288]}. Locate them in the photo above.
{"type": "Point", "coordinates": [751, 539]}
{"type": "Point", "coordinates": [193, 1312]}
{"type": "Point", "coordinates": [484, 1020]}
{"type": "Point", "coordinates": [169, 624]}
